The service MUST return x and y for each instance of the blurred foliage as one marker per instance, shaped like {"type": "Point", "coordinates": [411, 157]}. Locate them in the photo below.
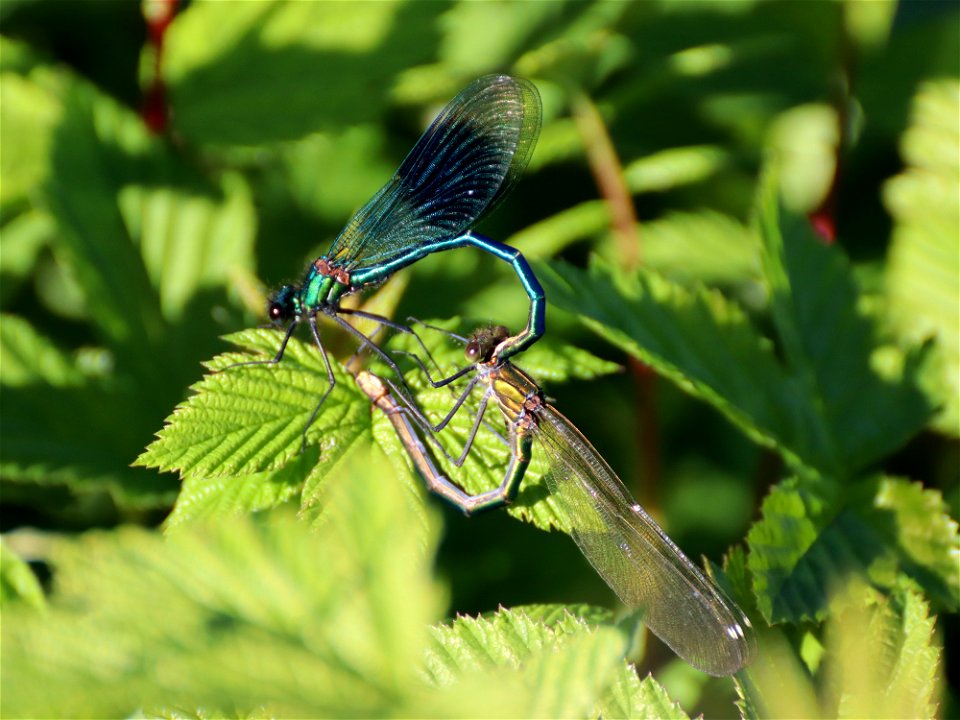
{"type": "Point", "coordinates": [807, 406]}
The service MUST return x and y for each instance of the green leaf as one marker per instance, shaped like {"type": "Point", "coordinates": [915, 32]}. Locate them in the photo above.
{"type": "Point", "coordinates": [631, 697]}
{"type": "Point", "coordinates": [923, 271]}
{"type": "Point", "coordinates": [828, 345]}
{"type": "Point", "coordinates": [704, 247]}
{"type": "Point", "coordinates": [828, 408]}
{"type": "Point", "coordinates": [550, 671]}
{"type": "Point", "coordinates": [45, 445]}
{"type": "Point", "coordinates": [239, 617]}
{"type": "Point", "coordinates": [191, 240]}
{"type": "Point", "coordinates": [207, 498]}
{"type": "Point", "coordinates": [811, 536]}
{"type": "Point", "coordinates": [697, 339]}
{"type": "Point", "coordinates": [485, 465]}
{"type": "Point", "coordinates": [31, 110]}
{"type": "Point", "coordinates": [547, 237]}
{"type": "Point", "coordinates": [674, 167]}
{"type": "Point", "coordinates": [231, 70]}
{"type": "Point", "coordinates": [24, 238]}
{"type": "Point", "coordinates": [17, 581]}
{"type": "Point", "coordinates": [28, 358]}
{"type": "Point", "coordinates": [245, 420]}
{"type": "Point", "coordinates": [882, 656]}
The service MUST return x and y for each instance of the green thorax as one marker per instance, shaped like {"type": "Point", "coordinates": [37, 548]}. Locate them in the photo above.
{"type": "Point", "coordinates": [319, 289]}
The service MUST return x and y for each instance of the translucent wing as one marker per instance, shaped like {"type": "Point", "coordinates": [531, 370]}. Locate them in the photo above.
{"type": "Point", "coordinates": [461, 167]}
{"type": "Point", "coordinates": [637, 559]}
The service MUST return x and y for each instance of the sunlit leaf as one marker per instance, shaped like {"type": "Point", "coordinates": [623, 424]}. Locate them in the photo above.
{"type": "Point", "coordinates": [923, 273]}
{"type": "Point", "coordinates": [242, 616]}
{"type": "Point", "coordinates": [231, 69]}
{"type": "Point", "coordinates": [882, 656]}
{"type": "Point", "coordinates": [811, 536]}
{"type": "Point", "coordinates": [17, 581]}
{"type": "Point", "coordinates": [244, 420]}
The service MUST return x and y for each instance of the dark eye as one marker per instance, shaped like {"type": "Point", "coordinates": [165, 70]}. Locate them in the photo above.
{"type": "Point", "coordinates": [472, 351]}
{"type": "Point", "coordinates": [276, 311]}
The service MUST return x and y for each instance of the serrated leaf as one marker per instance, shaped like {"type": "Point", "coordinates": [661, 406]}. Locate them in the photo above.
{"type": "Point", "coordinates": [244, 420]}
{"type": "Point", "coordinates": [828, 345]}
{"type": "Point", "coordinates": [17, 581]}
{"type": "Point", "coordinates": [240, 616]}
{"type": "Point", "coordinates": [917, 521]}
{"type": "Point", "coordinates": [697, 339]}
{"type": "Point", "coordinates": [923, 271]}
{"type": "Point", "coordinates": [568, 616]}
{"type": "Point", "coordinates": [208, 498]}
{"type": "Point", "coordinates": [777, 684]}
{"type": "Point", "coordinates": [708, 347]}
{"type": "Point", "coordinates": [631, 697]}
{"type": "Point", "coordinates": [811, 536]}
{"type": "Point", "coordinates": [881, 656]}
{"type": "Point", "coordinates": [549, 361]}
{"type": "Point", "coordinates": [485, 466]}
{"type": "Point", "coordinates": [556, 671]}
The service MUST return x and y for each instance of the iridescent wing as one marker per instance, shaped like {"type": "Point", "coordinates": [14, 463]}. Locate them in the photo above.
{"type": "Point", "coordinates": [637, 559]}
{"type": "Point", "coordinates": [461, 167]}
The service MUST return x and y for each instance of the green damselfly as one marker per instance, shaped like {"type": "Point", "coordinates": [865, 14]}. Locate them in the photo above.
{"type": "Point", "coordinates": [459, 170]}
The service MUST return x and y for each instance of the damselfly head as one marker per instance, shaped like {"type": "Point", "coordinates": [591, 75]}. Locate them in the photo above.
{"type": "Point", "coordinates": [283, 306]}
{"type": "Point", "coordinates": [484, 341]}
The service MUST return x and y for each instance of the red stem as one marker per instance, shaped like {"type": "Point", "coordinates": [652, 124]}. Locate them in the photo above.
{"type": "Point", "coordinates": [608, 174]}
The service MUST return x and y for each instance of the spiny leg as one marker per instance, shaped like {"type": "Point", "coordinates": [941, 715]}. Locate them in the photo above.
{"type": "Point", "coordinates": [275, 359]}
{"type": "Point", "coordinates": [393, 325]}
{"type": "Point", "coordinates": [331, 380]}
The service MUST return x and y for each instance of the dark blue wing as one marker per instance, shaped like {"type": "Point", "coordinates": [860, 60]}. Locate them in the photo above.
{"type": "Point", "coordinates": [461, 167]}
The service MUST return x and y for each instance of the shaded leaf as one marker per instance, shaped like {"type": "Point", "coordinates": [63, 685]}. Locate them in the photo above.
{"type": "Point", "coordinates": [45, 445]}
{"type": "Point", "coordinates": [190, 241]}
{"type": "Point", "coordinates": [828, 343]}
{"type": "Point", "coordinates": [696, 338]}
{"type": "Point", "coordinates": [230, 70]}
{"type": "Point", "coordinates": [31, 110]}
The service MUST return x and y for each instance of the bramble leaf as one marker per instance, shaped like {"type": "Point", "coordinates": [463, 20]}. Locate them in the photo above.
{"type": "Point", "coordinates": [812, 535]}
{"type": "Point", "coordinates": [923, 271]}
{"type": "Point", "coordinates": [244, 420]}
{"type": "Point", "coordinates": [315, 614]}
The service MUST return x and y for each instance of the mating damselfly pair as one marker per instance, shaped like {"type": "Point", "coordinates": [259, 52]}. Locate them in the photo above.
{"type": "Point", "coordinates": [459, 170]}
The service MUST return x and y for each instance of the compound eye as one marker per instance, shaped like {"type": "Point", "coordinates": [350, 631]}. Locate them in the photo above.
{"type": "Point", "coordinates": [276, 311]}
{"type": "Point", "coordinates": [472, 351]}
